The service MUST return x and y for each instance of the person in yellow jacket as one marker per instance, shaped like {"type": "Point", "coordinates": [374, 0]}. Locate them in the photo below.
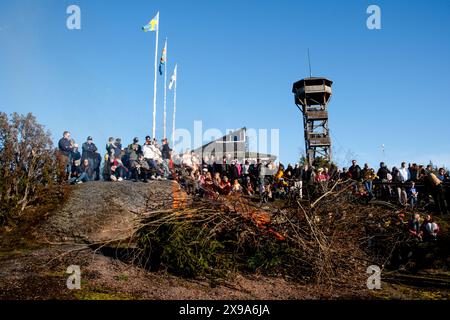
{"type": "Point", "coordinates": [279, 179]}
{"type": "Point", "coordinates": [437, 191]}
{"type": "Point", "coordinates": [368, 175]}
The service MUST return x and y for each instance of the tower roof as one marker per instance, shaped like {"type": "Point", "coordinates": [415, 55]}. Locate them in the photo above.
{"type": "Point", "coordinates": [312, 91]}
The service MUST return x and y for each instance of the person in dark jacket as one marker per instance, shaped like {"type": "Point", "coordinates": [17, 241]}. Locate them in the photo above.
{"type": "Point", "coordinates": [64, 154]}
{"type": "Point", "coordinates": [355, 171]}
{"type": "Point", "coordinates": [89, 150]}
{"type": "Point", "coordinates": [355, 174]}
{"type": "Point", "coordinates": [133, 151]}
{"type": "Point", "coordinates": [86, 168]}
{"type": "Point", "coordinates": [77, 175]}
{"type": "Point", "coordinates": [165, 153]}
{"type": "Point", "coordinates": [306, 174]}
{"type": "Point", "coordinates": [217, 167]}
{"type": "Point", "coordinates": [296, 172]}
{"type": "Point", "coordinates": [383, 172]}
{"type": "Point", "coordinates": [118, 147]}
{"type": "Point", "coordinates": [343, 175]}
{"type": "Point", "coordinates": [289, 171]}
{"type": "Point", "coordinates": [110, 147]}
{"type": "Point", "coordinates": [97, 164]}
{"type": "Point", "coordinates": [413, 172]}
{"type": "Point", "coordinates": [396, 177]}
{"type": "Point", "coordinates": [233, 172]}
{"type": "Point", "coordinates": [140, 169]}
{"type": "Point", "coordinates": [74, 153]}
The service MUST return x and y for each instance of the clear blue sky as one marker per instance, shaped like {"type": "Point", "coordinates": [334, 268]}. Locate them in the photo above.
{"type": "Point", "coordinates": [237, 62]}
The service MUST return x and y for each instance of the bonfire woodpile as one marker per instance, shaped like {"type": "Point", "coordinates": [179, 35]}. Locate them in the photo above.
{"type": "Point", "coordinates": [330, 239]}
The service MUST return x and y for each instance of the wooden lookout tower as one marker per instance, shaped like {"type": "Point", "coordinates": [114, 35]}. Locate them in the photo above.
{"type": "Point", "coordinates": [311, 97]}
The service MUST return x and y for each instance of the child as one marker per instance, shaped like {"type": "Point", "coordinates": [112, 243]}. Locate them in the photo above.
{"type": "Point", "coordinates": [237, 188]}
{"type": "Point", "coordinates": [249, 187]}
{"type": "Point", "coordinates": [413, 194]}
{"type": "Point", "coordinates": [414, 227]}
{"type": "Point", "coordinates": [225, 186]}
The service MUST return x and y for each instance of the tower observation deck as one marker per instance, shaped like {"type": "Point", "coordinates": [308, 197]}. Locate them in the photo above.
{"type": "Point", "coordinates": [311, 97]}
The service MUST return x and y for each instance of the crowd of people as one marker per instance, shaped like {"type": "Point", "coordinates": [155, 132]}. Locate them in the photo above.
{"type": "Point", "coordinates": [408, 185]}
{"type": "Point", "coordinates": [134, 162]}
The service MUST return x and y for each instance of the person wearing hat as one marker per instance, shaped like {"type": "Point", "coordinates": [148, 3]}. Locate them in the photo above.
{"type": "Point", "coordinates": [320, 177]}
{"type": "Point", "coordinates": [134, 150]}
{"type": "Point", "coordinates": [89, 151]}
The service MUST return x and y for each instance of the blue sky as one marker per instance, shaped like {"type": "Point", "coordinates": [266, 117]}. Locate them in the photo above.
{"type": "Point", "coordinates": [237, 62]}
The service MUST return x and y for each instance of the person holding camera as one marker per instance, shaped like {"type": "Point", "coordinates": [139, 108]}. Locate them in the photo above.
{"type": "Point", "coordinates": [140, 169]}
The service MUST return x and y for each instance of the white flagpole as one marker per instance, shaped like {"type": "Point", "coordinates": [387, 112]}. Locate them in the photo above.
{"type": "Point", "coordinates": [174, 105]}
{"type": "Point", "coordinates": [165, 91]}
{"type": "Point", "coordinates": [154, 84]}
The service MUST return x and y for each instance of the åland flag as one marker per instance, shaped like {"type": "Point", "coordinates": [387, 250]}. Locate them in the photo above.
{"type": "Point", "coordinates": [163, 59]}
{"type": "Point", "coordinates": [152, 25]}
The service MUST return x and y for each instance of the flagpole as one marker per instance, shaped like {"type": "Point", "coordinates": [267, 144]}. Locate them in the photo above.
{"type": "Point", "coordinates": [165, 90]}
{"type": "Point", "coordinates": [174, 106]}
{"type": "Point", "coordinates": [154, 84]}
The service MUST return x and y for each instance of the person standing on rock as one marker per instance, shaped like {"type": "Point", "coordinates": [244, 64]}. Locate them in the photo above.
{"type": "Point", "coordinates": [89, 152]}
{"type": "Point", "coordinates": [150, 156]}
{"type": "Point", "coordinates": [65, 152]}
{"type": "Point", "coordinates": [134, 150]}
{"type": "Point", "coordinates": [111, 148]}
{"type": "Point", "coordinates": [117, 147]}
{"type": "Point", "coordinates": [166, 153]}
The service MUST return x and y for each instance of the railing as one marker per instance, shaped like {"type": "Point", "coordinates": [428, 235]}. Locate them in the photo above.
{"type": "Point", "coordinates": [312, 115]}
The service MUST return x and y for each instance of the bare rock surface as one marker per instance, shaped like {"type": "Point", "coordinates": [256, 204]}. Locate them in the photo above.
{"type": "Point", "coordinates": [102, 211]}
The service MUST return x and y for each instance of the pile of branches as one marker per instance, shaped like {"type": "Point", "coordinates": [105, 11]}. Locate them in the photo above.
{"type": "Point", "coordinates": [331, 240]}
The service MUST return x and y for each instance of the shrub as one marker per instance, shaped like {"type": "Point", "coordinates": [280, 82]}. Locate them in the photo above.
{"type": "Point", "coordinates": [28, 165]}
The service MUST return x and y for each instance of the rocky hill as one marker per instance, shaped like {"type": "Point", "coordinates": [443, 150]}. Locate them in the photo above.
{"type": "Point", "coordinates": [90, 229]}
{"type": "Point", "coordinates": [99, 212]}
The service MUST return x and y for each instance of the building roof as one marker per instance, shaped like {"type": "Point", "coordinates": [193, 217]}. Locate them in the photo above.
{"type": "Point", "coordinates": [242, 153]}
{"type": "Point", "coordinates": [220, 139]}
